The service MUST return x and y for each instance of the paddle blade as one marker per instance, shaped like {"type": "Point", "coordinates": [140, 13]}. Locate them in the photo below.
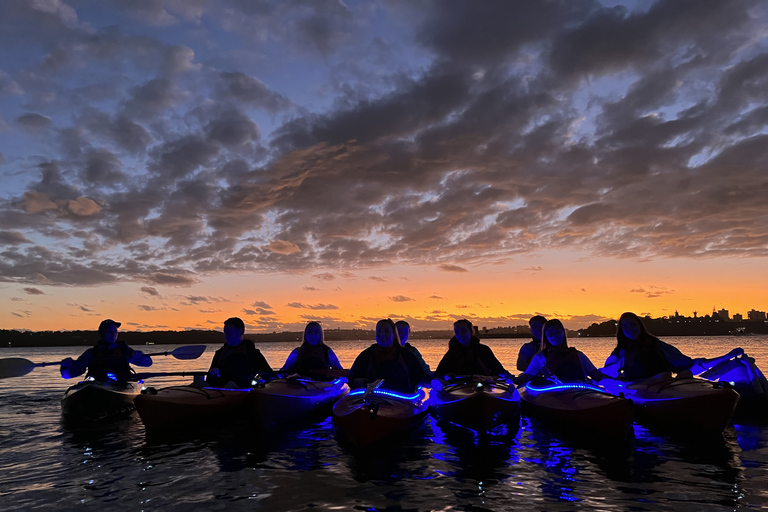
{"type": "Point", "coordinates": [15, 367]}
{"type": "Point", "coordinates": [189, 352]}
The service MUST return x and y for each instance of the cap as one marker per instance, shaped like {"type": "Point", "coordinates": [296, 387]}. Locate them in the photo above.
{"type": "Point", "coordinates": [236, 322]}
{"type": "Point", "coordinates": [107, 322]}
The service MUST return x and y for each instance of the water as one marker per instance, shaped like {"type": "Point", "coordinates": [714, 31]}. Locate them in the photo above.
{"type": "Point", "coordinates": [45, 464]}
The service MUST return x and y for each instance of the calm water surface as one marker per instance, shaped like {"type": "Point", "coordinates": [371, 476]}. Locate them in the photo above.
{"type": "Point", "coordinates": [45, 464]}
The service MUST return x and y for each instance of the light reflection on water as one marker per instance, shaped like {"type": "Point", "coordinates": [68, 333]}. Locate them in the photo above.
{"type": "Point", "coordinates": [438, 466]}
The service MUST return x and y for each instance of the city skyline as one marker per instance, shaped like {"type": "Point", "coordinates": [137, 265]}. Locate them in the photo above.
{"type": "Point", "coordinates": [170, 164]}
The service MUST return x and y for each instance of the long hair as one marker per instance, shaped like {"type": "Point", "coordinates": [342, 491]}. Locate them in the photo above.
{"type": "Point", "coordinates": [322, 334]}
{"type": "Point", "coordinates": [622, 342]}
{"type": "Point", "coordinates": [545, 344]}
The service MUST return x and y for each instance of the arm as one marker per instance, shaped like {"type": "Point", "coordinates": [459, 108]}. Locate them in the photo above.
{"type": "Point", "coordinates": [701, 364]}
{"type": "Point", "coordinates": [534, 368]}
{"type": "Point", "coordinates": [292, 357]}
{"type": "Point", "coordinates": [72, 368]}
{"type": "Point", "coordinates": [260, 362]}
{"type": "Point", "coordinates": [139, 359]}
{"type": "Point", "coordinates": [589, 368]}
{"type": "Point", "coordinates": [493, 364]}
{"type": "Point", "coordinates": [335, 364]}
{"type": "Point", "coordinates": [524, 357]}
{"type": "Point", "coordinates": [357, 374]}
{"type": "Point", "coordinates": [613, 365]}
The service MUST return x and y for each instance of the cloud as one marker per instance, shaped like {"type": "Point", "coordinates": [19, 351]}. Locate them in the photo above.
{"type": "Point", "coordinates": [13, 238]}
{"type": "Point", "coordinates": [317, 307]}
{"type": "Point", "coordinates": [282, 247]}
{"type": "Point", "coordinates": [150, 291]}
{"type": "Point", "coordinates": [533, 269]}
{"type": "Point", "coordinates": [145, 307]}
{"type": "Point", "coordinates": [310, 289]}
{"type": "Point", "coordinates": [33, 291]}
{"type": "Point", "coordinates": [451, 268]}
{"type": "Point", "coordinates": [401, 298]}
{"type": "Point", "coordinates": [476, 134]}
{"type": "Point", "coordinates": [167, 279]}
{"type": "Point", "coordinates": [378, 278]}
{"type": "Point", "coordinates": [436, 297]}
{"type": "Point", "coordinates": [33, 122]}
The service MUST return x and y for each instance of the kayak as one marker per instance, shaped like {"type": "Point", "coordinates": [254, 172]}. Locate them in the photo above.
{"type": "Point", "coordinates": [688, 405]}
{"type": "Point", "coordinates": [189, 406]}
{"type": "Point", "coordinates": [479, 405]}
{"type": "Point", "coordinates": [364, 417]}
{"type": "Point", "coordinates": [749, 382]}
{"type": "Point", "coordinates": [578, 407]}
{"type": "Point", "coordinates": [92, 401]}
{"type": "Point", "coordinates": [291, 398]}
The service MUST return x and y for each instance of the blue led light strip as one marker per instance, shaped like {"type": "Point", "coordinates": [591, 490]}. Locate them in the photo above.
{"type": "Point", "coordinates": [382, 392]}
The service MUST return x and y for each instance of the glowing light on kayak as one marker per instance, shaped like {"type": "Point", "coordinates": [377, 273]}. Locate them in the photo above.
{"type": "Point", "coordinates": [382, 392]}
{"type": "Point", "coordinates": [563, 387]}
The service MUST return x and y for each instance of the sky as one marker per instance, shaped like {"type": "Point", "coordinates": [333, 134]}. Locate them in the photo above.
{"type": "Point", "coordinates": [173, 163]}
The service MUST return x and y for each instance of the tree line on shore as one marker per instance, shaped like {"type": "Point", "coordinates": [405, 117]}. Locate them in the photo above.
{"type": "Point", "coordinates": [703, 326]}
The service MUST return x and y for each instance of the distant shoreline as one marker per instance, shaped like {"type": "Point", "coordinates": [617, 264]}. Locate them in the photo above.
{"type": "Point", "coordinates": [12, 338]}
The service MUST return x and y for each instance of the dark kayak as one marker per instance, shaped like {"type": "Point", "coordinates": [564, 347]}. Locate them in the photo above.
{"type": "Point", "coordinates": [686, 405]}
{"type": "Point", "coordinates": [743, 375]}
{"type": "Point", "coordinates": [92, 401]}
{"type": "Point", "coordinates": [476, 403]}
{"type": "Point", "coordinates": [190, 406]}
{"type": "Point", "coordinates": [364, 417]}
{"type": "Point", "coordinates": [580, 408]}
{"type": "Point", "coordinates": [292, 398]}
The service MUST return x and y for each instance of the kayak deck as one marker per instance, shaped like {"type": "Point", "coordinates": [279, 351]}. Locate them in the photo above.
{"type": "Point", "coordinates": [689, 405]}
{"type": "Point", "coordinates": [93, 401]}
{"type": "Point", "coordinates": [579, 407]}
{"type": "Point", "coordinates": [363, 417]}
{"type": "Point", "coordinates": [477, 405]}
{"type": "Point", "coordinates": [288, 399]}
{"type": "Point", "coordinates": [188, 406]}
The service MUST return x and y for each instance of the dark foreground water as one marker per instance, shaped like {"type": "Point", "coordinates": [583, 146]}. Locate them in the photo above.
{"type": "Point", "coordinates": [47, 465]}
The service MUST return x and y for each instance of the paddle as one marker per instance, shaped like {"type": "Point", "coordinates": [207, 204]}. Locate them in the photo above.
{"type": "Point", "coordinates": [187, 352]}
{"type": "Point", "coordinates": [149, 375]}
{"type": "Point", "coordinates": [18, 366]}
{"type": "Point", "coordinates": [373, 386]}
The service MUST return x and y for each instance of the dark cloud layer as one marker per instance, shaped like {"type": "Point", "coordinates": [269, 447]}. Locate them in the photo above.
{"type": "Point", "coordinates": [481, 131]}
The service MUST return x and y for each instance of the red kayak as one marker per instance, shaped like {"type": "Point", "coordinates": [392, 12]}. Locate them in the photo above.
{"type": "Point", "coordinates": [477, 403]}
{"type": "Point", "coordinates": [743, 375]}
{"type": "Point", "coordinates": [291, 398]}
{"type": "Point", "coordinates": [687, 405]}
{"type": "Point", "coordinates": [366, 416]}
{"type": "Point", "coordinates": [578, 407]}
{"type": "Point", "coordinates": [93, 401]}
{"type": "Point", "coordinates": [184, 406]}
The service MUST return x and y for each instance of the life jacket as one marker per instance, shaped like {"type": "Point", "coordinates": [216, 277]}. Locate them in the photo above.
{"type": "Point", "coordinates": [106, 362]}
{"type": "Point", "coordinates": [466, 360]}
{"type": "Point", "coordinates": [312, 358]}
{"type": "Point", "coordinates": [236, 364]}
{"type": "Point", "coordinates": [394, 371]}
{"type": "Point", "coordinates": [565, 364]}
{"type": "Point", "coordinates": [643, 359]}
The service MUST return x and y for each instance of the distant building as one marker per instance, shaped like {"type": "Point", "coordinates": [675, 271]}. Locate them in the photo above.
{"type": "Point", "coordinates": [737, 317]}
{"type": "Point", "coordinates": [723, 314]}
{"type": "Point", "coordinates": [756, 316]}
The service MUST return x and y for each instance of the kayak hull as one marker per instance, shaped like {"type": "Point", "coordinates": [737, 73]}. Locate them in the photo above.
{"type": "Point", "coordinates": [94, 401]}
{"type": "Point", "coordinates": [189, 406]}
{"type": "Point", "coordinates": [367, 419]}
{"type": "Point", "coordinates": [743, 375]}
{"type": "Point", "coordinates": [285, 400]}
{"type": "Point", "coordinates": [687, 405]}
{"type": "Point", "coordinates": [580, 408]}
{"type": "Point", "coordinates": [478, 406]}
